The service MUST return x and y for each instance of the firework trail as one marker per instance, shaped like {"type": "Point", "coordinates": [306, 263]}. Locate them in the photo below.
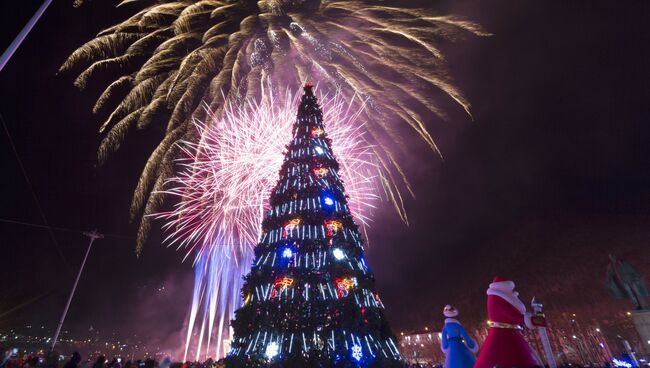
{"type": "Point", "coordinates": [173, 55]}
{"type": "Point", "coordinates": [223, 188]}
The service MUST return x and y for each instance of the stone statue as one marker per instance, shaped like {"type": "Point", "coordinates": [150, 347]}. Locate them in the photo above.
{"type": "Point", "coordinates": [623, 281]}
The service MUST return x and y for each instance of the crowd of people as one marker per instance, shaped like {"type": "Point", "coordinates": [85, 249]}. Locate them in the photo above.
{"type": "Point", "coordinates": [13, 359]}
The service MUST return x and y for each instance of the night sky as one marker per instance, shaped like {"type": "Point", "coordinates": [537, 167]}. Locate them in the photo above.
{"type": "Point", "coordinates": [551, 175]}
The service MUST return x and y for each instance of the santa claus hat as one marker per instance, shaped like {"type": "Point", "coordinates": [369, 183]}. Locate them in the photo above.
{"type": "Point", "coordinates": [505, 289]}
{"type": "Point", "coordinates": [450, 311]}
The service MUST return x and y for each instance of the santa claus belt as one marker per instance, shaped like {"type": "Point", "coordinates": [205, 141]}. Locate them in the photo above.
{"type": "Point", "coordinates": [504, 325]}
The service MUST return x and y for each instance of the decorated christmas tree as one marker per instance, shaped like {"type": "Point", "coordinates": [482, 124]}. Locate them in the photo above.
{"type": "Point", "coordinates": [310, 300]}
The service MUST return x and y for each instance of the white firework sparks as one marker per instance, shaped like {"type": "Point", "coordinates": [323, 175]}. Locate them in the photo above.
{"type": "Point", "coordinates": [224, 185]}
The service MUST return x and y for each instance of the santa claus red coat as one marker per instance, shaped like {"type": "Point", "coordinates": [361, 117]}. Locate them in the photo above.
{"type": "Point", "coordinates": [505, 345]}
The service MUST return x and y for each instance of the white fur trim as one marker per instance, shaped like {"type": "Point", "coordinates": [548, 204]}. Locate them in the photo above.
{"type": "Point", "coordinates": [509, 297]}
{"type": "Point", "coordinates": [451, 320]}
{"type": "Point", "coordinates": [503, 285]}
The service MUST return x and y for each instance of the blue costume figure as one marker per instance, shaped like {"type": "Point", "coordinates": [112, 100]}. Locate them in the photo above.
{"type": "Point", "coordinates": [456, 342]}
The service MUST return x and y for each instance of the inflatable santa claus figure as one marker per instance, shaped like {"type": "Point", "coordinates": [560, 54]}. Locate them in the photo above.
{"type": "Point", "coordinates": [505, 345]}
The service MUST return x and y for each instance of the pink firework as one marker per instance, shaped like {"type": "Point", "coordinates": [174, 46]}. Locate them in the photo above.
{"type": "Point", "coordinates": [226, 177]}
{"type": "Point", "coordinates": [225, 182]}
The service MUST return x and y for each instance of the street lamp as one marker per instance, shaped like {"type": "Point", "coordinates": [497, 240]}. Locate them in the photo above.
{"type": "Point", "coordinates": [92, 235]}
{"type": "Point", "coordinates": [23, 34]}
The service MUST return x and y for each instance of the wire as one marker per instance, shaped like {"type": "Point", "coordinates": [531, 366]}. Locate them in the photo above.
{"type": "Point", "coordinates": [31, 190]}
{"type": "Point", "coordinates": [16, 222]}
{"type": "Point", "coordinates": [23, 304]}
{"type": "Point", "coordinates": [37, 225]}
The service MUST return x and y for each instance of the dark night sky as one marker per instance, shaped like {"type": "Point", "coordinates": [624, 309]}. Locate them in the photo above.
{"type": "Point", "coordinates": [552, 174]}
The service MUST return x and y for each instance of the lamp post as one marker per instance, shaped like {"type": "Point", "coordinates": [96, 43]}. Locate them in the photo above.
{"type": "Point", "coordinates": [23, 34]}
{"type": "Point", "coordinates": [92, 235]}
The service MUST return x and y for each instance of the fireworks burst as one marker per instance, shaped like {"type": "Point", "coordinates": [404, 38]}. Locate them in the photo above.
{"type": "Point", "coordinates": [173, 55]}
{"type": "Point", "coordinates": [224, 186]}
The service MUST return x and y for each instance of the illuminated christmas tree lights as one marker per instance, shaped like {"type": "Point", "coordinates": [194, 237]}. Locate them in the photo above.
{"type": "Point", "coordinates": [310, 299]}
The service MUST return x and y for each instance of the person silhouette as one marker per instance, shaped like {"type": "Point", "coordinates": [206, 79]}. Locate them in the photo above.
{"type": "Point", "coordinates": [74, 361]}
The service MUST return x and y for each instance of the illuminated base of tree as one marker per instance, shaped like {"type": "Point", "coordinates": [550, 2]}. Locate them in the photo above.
{"type": "Point", "coordinates": [314, 359]}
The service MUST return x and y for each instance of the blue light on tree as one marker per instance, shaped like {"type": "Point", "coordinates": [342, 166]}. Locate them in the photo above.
{"type": "Point", "coordinates": [327, 199]}
{"type": "Point", "coordinates": [319, 150]}
{"type": "Point", "coordinates": [356, 352]}
{"type": "Point", "coordinates": [287, 252]}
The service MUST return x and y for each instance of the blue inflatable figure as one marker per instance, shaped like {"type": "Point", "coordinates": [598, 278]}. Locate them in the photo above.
{"type": "Point", "coordinates": [456, 343]}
